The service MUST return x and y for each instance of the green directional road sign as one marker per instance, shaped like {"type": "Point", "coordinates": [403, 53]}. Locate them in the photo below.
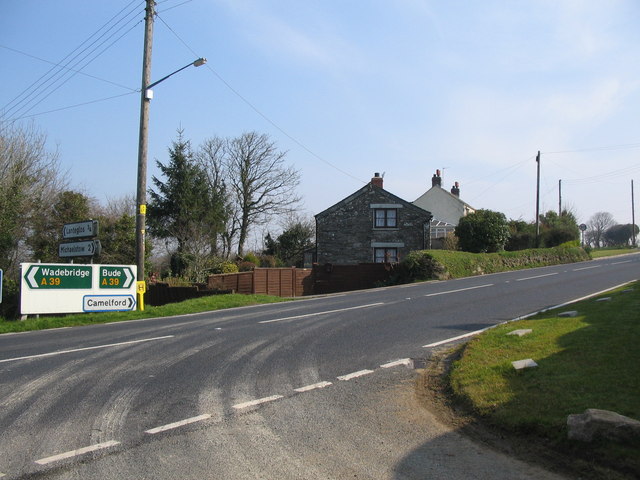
{"type": "Point", "coordinates": [42, 276]}
{"type": "Point", "coordinates": [116, 277]}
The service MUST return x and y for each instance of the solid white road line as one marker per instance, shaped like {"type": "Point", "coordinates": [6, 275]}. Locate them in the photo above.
{"type": "Point", "coordinates": [253, 403]}
{"type": "Point", "coordinates": [459, 290]}
{"type": "Point", "coordinates": [349, 376]}
{"type": "Point", "coordinates": [315, 386]}
{"type": "Point", "coordinates": [537, 276]}
{"type": "Point", "coordinates": [404, 361]}
{"type": "Point", "coordinates": [51, 354]}
{"type": "Point", "coordinates": [171, 426]}
{"type": "Point", "coordinates": [618, 263]}
{"type": "Point", "coordinates": [75, 453]}
{"type": "Point", "coordinates": [322, 313]}
{"type": "Point", "coordinates": [453, 339]}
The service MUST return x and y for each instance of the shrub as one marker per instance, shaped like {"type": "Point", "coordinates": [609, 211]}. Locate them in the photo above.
{"type": "Point", "coordinates": [450, 242]}
{"type": "Point", "coordinates": [251, 258]}
{"type": "Point", "coordinates": [10, 306]}
{"type": "Point", "coordinates": [483, 231]}
{"type": "Point", "coordinates": [246, 266]}
{"type": "Point", "coordinates": [419, 265]}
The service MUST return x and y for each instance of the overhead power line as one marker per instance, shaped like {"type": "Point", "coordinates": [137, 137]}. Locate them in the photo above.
{"type": "Point", "coordinates": [74, 62]}
{"type": "Point", "coordinates": [75, 71]}
{"type": "Point", "coordinates": [258, 111]}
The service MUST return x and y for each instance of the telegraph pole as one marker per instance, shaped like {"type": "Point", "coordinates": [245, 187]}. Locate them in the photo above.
{"type": "Point", "coordinates": [141, 194]}
{"type": "Point", "coordinates": [559, 198]}
{"type": "Point", "coordinates": [633, 217]}
{"type": "Point", "coordinates": [538, 202]}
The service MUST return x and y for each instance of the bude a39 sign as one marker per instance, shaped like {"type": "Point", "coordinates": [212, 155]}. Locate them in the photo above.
{"type": "Point", "coordinates": [73, 288]}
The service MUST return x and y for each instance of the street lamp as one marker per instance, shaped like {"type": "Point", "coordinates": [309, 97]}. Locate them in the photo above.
{"type": "Point", "coordinates": [141, 195]}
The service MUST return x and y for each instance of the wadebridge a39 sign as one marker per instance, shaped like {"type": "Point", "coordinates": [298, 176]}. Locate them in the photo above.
{"type": "Point", "coordinates": [69, 288]}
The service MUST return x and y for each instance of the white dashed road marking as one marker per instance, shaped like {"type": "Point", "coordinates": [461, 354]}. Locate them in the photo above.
{"type": "Point", "coordinates": [78, 452]}
{"type": "Point", "coordinates": [171, 426]}
{"type": "Point", "coordinates": [349, 376]}
{"type": "Point", "coordinates": [315, 386]}
{"type": "Point", "coordinates": [459, 290]}
{"type": "Point", "coordinates": [321, 313]}
{"type": "Point", "coordinates": [537, 276]}
{"type": "Point", "coordinates": [404, 361]}
{"type": "Point", "coordinates": [260, 401]}
{"type": "Point", "coordinates": [586, 268]}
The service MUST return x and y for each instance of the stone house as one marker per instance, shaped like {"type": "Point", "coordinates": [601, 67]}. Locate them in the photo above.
{"type": "Point", "coordinates": [370, 225]}
{"type": "Point", "coordinates": [446, 207]}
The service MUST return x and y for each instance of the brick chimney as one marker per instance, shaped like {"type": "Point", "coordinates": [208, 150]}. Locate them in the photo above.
{"type": "Point", "coordinates": [377, 180]}
{"type": "Point", "coordinates": [436, 180]}
{"type": "Point", "coordinates": [455, 190]}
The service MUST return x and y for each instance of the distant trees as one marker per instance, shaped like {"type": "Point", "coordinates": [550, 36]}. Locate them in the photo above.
{"type": "Point", "coordinates": [597, 225]}
{"type": "Point", "coordinates": [184, 210]}
{"type": "Point", "coordinates": [290, 245]}
{"type": "Point", "coordinates": [30, 181]}
{"type": "Point", "coordinates": [207, 202]}
{"type": "Point", "coordinates": [483, 231]}
{"type": "Point", "coordinates": [260, 183]}
{"type": "Point", "coordinates": [620, 235]}
{"type": "Point", "coordinates": [558, 229]}
{"type": "Point", "coordinates": [46, 226]}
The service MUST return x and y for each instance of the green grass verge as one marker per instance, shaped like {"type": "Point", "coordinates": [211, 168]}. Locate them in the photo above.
{"type": "Point", "coordinates": [588, 361]}
{"type": "Point", "coordinates": [456, 264]}
{"type": "Point", "coordinates": [610, 252]}
{"type": "Point", "coordinates": [196, 305]}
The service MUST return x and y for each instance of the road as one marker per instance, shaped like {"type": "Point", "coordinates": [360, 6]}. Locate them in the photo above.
{"type": "Point", "coordinates": [316, 388]}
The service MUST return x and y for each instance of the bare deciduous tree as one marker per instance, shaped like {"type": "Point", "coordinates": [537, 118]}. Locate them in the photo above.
{"type": "Point", "coordinates": [260, 183]}
{"type": "Point", "coordinates": [29, 180]}
{"type": "Point", "coordinates": [597, 226]}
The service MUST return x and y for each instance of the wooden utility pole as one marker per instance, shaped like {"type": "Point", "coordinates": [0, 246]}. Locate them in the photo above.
{"type": "Point", "coordinates": [141, 194]}
{"type": "Point", "coordinates": [559, 198]}
{"type": "Point", "coordinates": [633, 217]}
{"type": "Point", "coordinates": [538, 202]}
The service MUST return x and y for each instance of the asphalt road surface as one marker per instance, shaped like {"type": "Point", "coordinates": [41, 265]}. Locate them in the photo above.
{"type": "Point", "coordinates": [314, 389]}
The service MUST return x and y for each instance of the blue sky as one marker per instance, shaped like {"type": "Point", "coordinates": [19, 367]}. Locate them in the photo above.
{"type": "Point", "coordinates": [350, 88]}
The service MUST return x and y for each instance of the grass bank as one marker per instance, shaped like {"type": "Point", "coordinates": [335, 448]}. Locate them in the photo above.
{"type": "Point", "coordinates": [610, 252]}
{"type": "Point", "coordinates": [444, 264]}
{"type": "Point", "coordinates": [196, 305]}
{"type": "Point", "coordinates": [588, 361]}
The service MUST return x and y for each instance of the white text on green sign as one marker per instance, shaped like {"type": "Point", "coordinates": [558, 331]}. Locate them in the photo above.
{"type": "Point", "coordinates": [56, 276]}
{"type": "Point", "coordinates": [116, 277]}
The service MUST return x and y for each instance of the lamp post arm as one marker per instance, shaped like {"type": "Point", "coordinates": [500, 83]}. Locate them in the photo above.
{"type": "Point", "coordinates": [197, 63]}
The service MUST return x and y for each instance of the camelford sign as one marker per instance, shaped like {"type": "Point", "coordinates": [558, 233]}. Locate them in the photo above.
{"type": "Point", "coordinates": [72, 288]}
{"type": "Point", "coordinates": [108, 303]}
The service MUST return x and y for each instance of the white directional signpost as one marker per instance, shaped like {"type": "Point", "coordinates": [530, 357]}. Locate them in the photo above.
{"type": "Point", "coordinates": [81, 246]}
{"type": "Point", "coordinates": [73, 288]}
{"type": "Point", "coordinates": [86, 229]}
{"type": "Point", "coordinates": [80, 249]}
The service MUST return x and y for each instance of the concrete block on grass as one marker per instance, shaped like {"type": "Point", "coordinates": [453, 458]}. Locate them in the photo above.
{"type": "Point", "coordinates": [569, 313]}
{"type": "Point", "coordinates": [521, 332]}
{"type": "Point", "coordinates": [522, 364]}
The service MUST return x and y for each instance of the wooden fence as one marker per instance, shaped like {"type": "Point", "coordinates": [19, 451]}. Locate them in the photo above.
{"type": "Point", "coordinates": [282, 282]}
{"type": "Point", "coordinates": [297, 282]}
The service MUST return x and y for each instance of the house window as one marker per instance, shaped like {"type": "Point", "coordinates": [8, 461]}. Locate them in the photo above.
{"type": "Point", "coordinates": [385, 255]}
{"type": "Point", "coordinates": [386, 218]}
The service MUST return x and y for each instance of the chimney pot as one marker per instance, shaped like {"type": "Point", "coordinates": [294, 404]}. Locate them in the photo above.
{"type": "Point", "coordinates": [436, 180]}
{"type": "Point", "coordinates": [377, 180]}
{"type": "Point", "coordinates": [455, 190]}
